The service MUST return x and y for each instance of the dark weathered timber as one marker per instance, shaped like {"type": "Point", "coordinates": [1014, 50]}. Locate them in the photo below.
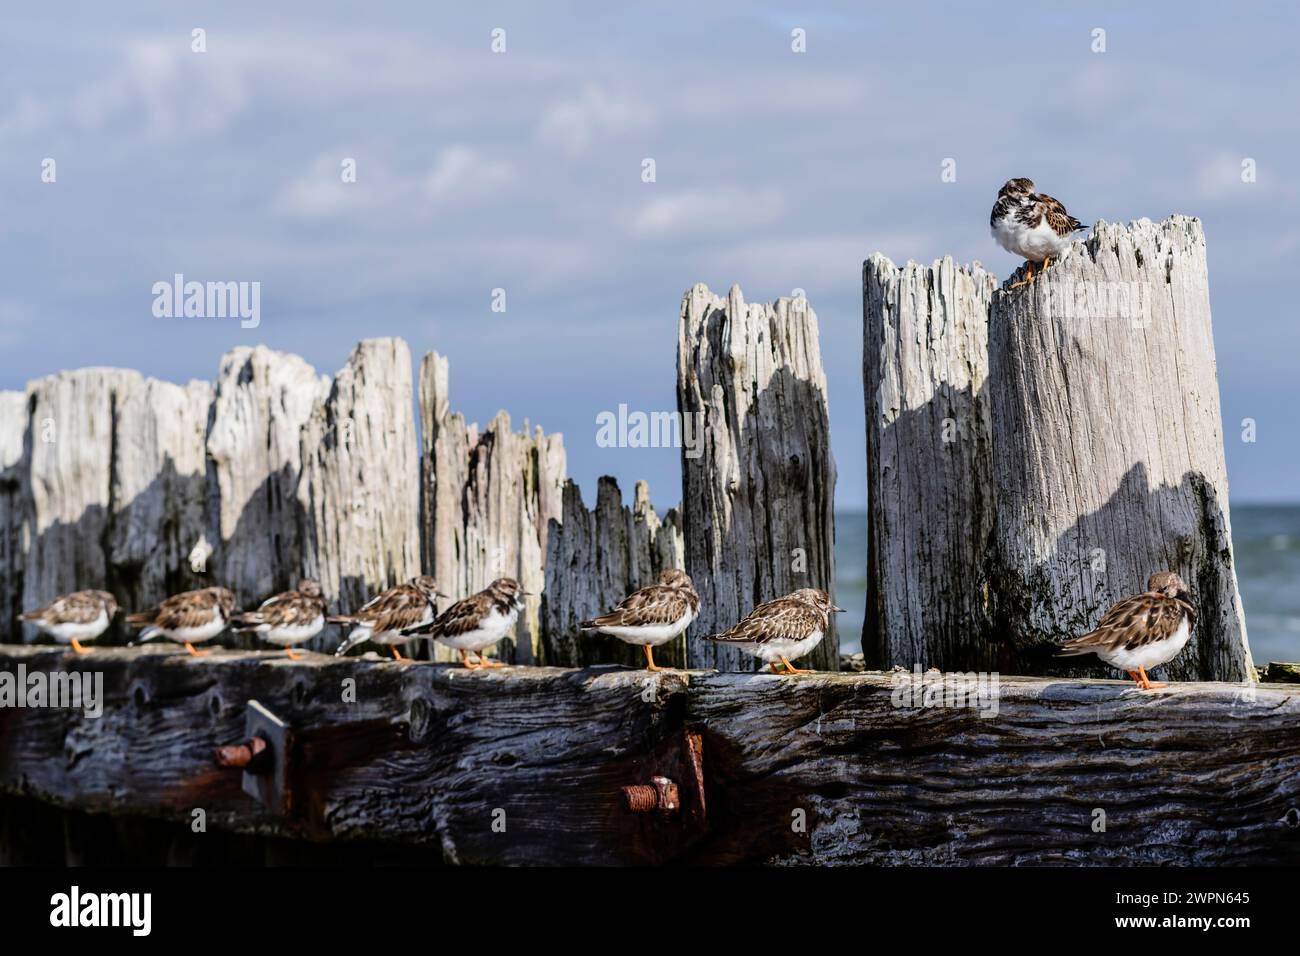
{"type": "Point", "coordinates": [429, 753]}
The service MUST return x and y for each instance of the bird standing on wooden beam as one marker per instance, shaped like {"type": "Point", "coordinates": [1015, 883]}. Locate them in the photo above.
{"type": "Point", "coordinates": [1144, 631]}
{"type": "Point", "coordinates": [383, 618]}
{"type": "Point", "coordinates": [1031, 225]}
{"type": "Point", "coordinates": [293, 617]}
{"type": "Point", "coordinates": [475, 623]}
{"type": "Point", "coordinates": [653, 615]}
{"type": "Point", "coordinates": [188, 618]}
{"type": "Point", "coordinates": [786, 628]}
{"type": "Point", "coordinates": [73, 618]}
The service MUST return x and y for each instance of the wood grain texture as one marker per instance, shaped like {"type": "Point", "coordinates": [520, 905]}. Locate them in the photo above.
{"type": "Point", "coordinates": [359, 487]}
{"type": "Point", "coordinates": [432, 755]}
{"type": "Point", "coordinates": [758, 503]}
{"type": "Point", "coordinates": [929, 464]}
{"type": "Point", "coordinates": [596, 558]}
{"type": "Point", "coordinates": [262, 400]}
{"type": "Point", "coordinates": [429, 754]}
{"type": "Point", "coordinates": [1200, 774]}
{"type": "Point", "coordinates": [1108, 449]}
{"type": "Point", "coordinates": [487, 501]}
{"type": "Point", "coordinates": [13, 558]}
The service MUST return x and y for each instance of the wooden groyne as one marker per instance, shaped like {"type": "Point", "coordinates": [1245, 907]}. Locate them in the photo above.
{"type": "Point", "coordinates": [273, 472]}
{"type": "Point", "coordinates": [528, 765]}
{"type": "Point", "coordinates": [1023, 480]}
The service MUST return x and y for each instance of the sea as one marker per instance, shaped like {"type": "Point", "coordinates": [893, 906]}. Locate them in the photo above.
{"type": "Point", "coordinates": [1266, 543]}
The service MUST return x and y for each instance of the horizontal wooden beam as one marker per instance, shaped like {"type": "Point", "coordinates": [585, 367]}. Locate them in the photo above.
{"type": "Point", "coordinates": [529, 765]}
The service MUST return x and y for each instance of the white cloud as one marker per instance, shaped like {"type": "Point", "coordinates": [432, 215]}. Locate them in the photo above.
{"type": "Point", "coordinates": [461, 172]}
{"type": "Point", "coordinates": [573, 124]}
{"type": "Point", "coordinates": [707, 212]}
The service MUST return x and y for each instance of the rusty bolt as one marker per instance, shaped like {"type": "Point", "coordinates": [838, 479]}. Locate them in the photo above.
{"type": "Point", "coordinates": [660, 794]}
{"type": "Point", "coordinates": [247, 756]}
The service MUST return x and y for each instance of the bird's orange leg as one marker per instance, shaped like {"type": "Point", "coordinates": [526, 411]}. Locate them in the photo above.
{"type": "Point", "coordinates": [1027, 279]}
{"type": "Point", "coordinates": [650, 664]}
{"type": "Point", "coordinates": [291, 655]}
{"type": "Point", "coordinates": [397, 655]}
{"type": "Point", "coordinates": [1137, 680]}
{"type": "Point", "coordinates": [1147, 683]}
{"type": "Point", "coordinates": [485, 661]}
{"type": "Point", "coordinates": [772, 666]}
{"type": "Point", "coordinates": [76, 646]}
{"type": "Point", "coordinates": [791, 669]}
{"type": "Point", "coordinates": [464, 657]}
{"type": "Point", "coordinates": [193, 653]}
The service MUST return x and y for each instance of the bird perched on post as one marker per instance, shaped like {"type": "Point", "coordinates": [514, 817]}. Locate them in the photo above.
{"type": "Point", "coordinates": [477, 622]}
{"type": "Point", "coordinates": [1031, 225]}
{"type": "Point", "coordinates": [188, 618]}
{"type": "Point", "coordinates": [790, 626]}
{"type": "Point", "coordinates": [653, 615]}
{"type": "Point", "coordinates": [287, 619]}
{"type": "Point", "coordinates": [383, 618]}
{"type": "Point", "coordinates": [76, 617]}
{"type": "Point", "coordinates": [1143, 631]}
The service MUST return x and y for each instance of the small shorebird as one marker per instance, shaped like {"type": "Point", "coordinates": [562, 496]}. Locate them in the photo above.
{"type": "Point", "coordinates": [1031, 225]}
{"type": "Point", "coordinates": [76, 617]}
{"type": "Point", "coordinates": [287, 619]}
{"type": "Point", "coordinates": [1144, 631]}
{"type": "Point", "coordinates": [653, 615]}
{"type": "Point", "coordinates": [790, 626]}
{"type": "Point", "coordinates": [188, 618]}
{"type": "Point", "coordinates": [383, 618]}
{"type": "Point", "coordinates": [477, 622]}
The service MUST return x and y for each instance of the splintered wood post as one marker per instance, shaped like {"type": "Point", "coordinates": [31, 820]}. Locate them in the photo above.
{"type": "Point", "coordinates": [929, 464]}
{"type": "Point", "coordinates": [13, 429]}
{"type": "Point", "coordinates": [1108, 450]}
{"type": "Point", "coordinates": [115, 485]}
{"type": "Point", "coordinates": [262, 400]}
{"type": "Point", "coordinates": [758, 479]}
{"type": "Point", "coordinates": [486, 504]}
{"type": "Point", "coordinates": [593, 560]}
{"type": "Point", "coordinates": [359, 488]}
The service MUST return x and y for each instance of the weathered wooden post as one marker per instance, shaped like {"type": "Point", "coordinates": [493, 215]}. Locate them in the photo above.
{"type": "Point", "coordinates": [1108, 450]}
{"type": "Point", "coordinates": [114, 485]}
{"type": "Point", "coordinates": [359, 488]}
{"type": "Point", "coordinates": [13, 426]}
{"type": "Point", "coordinates": [262, 400]}
{"type": "Point", "coordinates": [758, 479]}
{"type": "Point", "coordinates": [486, 504]}
{"type": "Point", "coordinates": [929, 464]}
{"type": "Point", "coordinates": [593, 559]}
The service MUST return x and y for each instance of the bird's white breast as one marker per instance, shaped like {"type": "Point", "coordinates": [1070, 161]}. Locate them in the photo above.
{"type": "Point", "coordinates": [491, 628]}
{"type": "Point", "coordinates": [651, 634]}
{"type": "Point", "coordinates": [292, 634]}
{"type": "Point", "coordinates": [67, 632]}
{"type": "Point", "coordinates": [1034, 243]}
{"type": "Point", "coordinates": [1149, 655]}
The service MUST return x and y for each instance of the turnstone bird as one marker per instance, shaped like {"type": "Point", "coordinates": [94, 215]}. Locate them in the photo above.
{"type": "Point", "coordinates": [790, 626]}
{"type": "Point", "coordinates": [1031, 225]}
{"type": "Point", "coordinates": [653, 615]}
{"type": "Point", "coordinates": [383, 618]}
{"type": "Point", "coordinates": [287, 619]}
{"type": "Point", "coordinates": [76, 617]}
{"type": "Point", "coordinates": [1143, 631]}
{"type": "Point", "coordinates": [477, 622]}
{"type": "Point", "coordinates": [189, 618]}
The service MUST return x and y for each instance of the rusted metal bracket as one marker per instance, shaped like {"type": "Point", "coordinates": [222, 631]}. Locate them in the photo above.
{"type": "Point", "coordinates": [672, 804]}
{"type": "Point", "coordinates": [264, 757]}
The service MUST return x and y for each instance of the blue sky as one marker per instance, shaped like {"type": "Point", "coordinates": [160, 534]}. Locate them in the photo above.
{"type": "Point", "coordinates": [522, 171]}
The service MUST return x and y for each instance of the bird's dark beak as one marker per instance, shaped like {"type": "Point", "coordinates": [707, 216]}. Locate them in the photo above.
{"type": "Point", "coordinates": [439, 594]}
{"type": "Point", "coordinates": [834, 608]}
{"type": "Point", "coordinates": [526, 593]}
